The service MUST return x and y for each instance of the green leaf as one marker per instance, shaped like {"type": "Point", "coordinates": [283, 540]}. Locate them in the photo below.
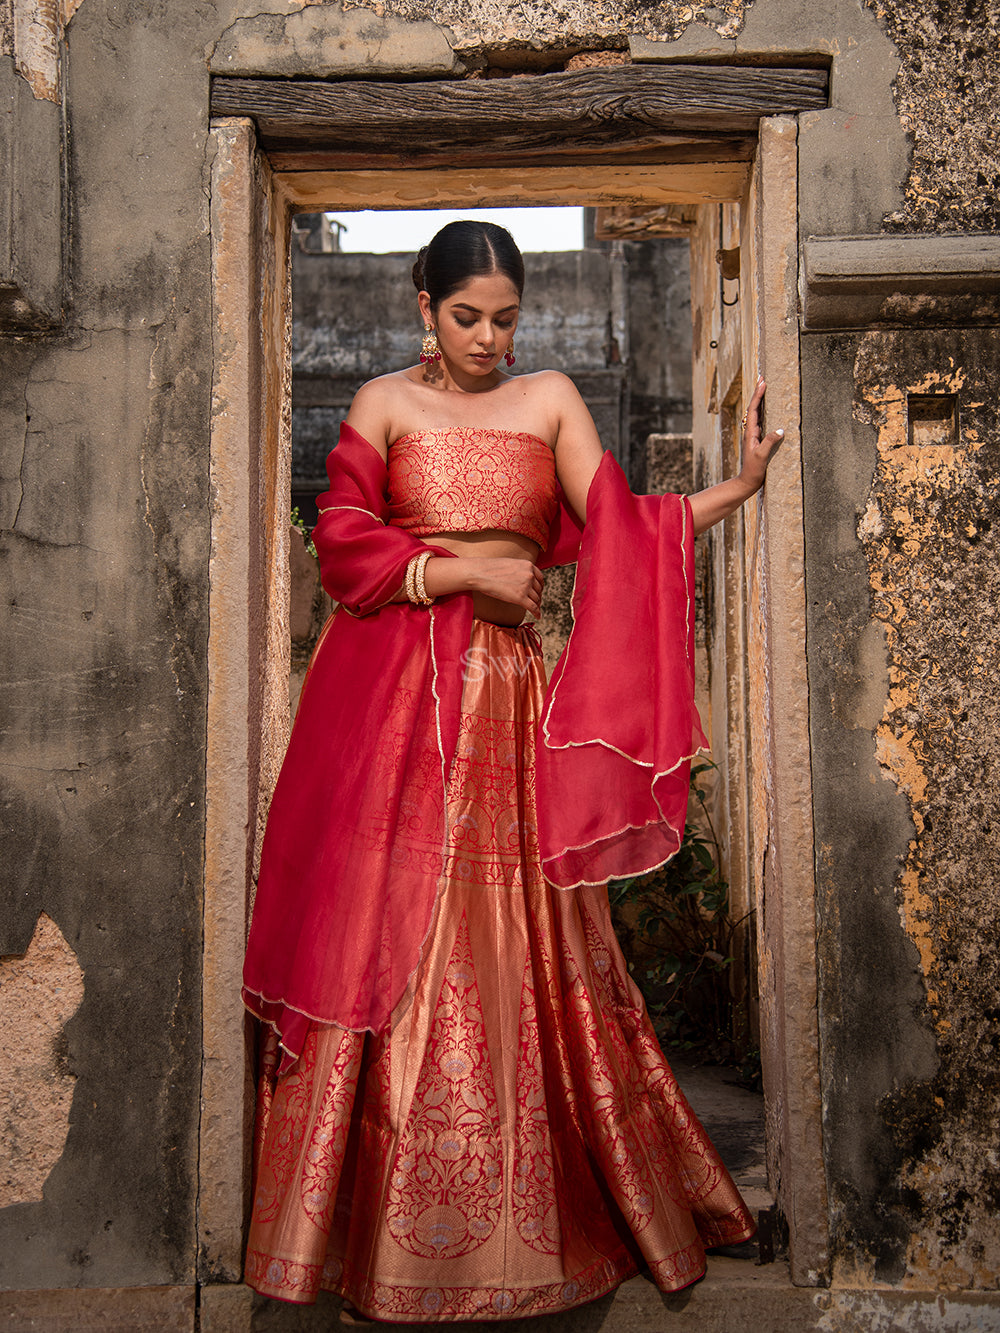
{"type": "Point", "coordinates": [703, 855]}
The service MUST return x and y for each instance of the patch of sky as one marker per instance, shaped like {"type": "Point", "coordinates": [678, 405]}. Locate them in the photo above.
{"type": "Point", "coordinates": [389, 232]}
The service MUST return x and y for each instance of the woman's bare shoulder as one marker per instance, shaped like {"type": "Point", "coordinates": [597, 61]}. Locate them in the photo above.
{"type": "Point", "coordinates": [551, 398]}
{"type": "Point", "coordinates": [387, 388]}
{"type": "Point", "coordinates": [550, 383]}
{"type": "Point", "coordinates": [376, 406]}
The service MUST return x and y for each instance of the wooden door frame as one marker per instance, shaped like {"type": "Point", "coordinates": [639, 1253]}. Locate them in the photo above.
{"type": "Point", "coordinates": [252, 206]}
{"type": "Point", "coordinates": [759, 688]}
{"type": "Point", "coordinates": [775, 575]}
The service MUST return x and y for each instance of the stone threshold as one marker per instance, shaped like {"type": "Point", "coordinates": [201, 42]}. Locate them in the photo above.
{"type": "Point", "coordinates": [735, 1295]}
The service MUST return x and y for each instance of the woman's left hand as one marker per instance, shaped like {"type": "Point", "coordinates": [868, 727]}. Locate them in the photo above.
{"type": "Point", "coordinates": [757, 451]}
{"type": "Point", "coordinates": [711, 506]}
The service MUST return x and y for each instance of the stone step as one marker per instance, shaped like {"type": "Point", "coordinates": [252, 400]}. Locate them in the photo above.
{"type": "Point", "coordinates": [736, 1296]}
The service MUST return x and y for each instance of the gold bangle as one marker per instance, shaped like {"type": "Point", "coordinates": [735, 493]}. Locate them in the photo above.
{"type": "Point", "coordinates": [418, 578]}
{"type": "Point", "coordinates": [410, 585]}
{"type": "Point", "coordinates": [416, 591]}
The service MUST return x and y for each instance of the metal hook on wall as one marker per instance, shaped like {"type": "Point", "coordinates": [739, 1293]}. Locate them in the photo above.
{"type": "Point", "coordinates": [729, 263]}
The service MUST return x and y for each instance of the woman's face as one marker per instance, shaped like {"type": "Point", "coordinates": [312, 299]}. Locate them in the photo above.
{"type": "Point", "coordinates": [475, 325]}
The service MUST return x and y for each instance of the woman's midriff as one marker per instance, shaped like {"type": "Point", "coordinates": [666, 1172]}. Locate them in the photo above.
{"type": "Point", "coordinates": [490, 545]}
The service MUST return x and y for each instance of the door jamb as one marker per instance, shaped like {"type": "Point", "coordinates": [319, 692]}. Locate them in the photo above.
{"type": "Point", "coordinates": [250, 451]}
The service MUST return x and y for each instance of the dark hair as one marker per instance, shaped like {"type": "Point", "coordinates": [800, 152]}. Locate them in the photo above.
{"type": "Point", "coordinates": [464, 250]}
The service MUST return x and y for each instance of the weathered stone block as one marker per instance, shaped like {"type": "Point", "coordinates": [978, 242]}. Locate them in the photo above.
{"type": "Point", "coordinates": [854, 281]}
{"type": "Point", "coordinates": [41, 991]}
{"type": "Point", "coordinates": [99, 1310]}
{"type": "Point", "coordinates": [30, 204]}
{"type": "Point", "coordinates": [325, 42]}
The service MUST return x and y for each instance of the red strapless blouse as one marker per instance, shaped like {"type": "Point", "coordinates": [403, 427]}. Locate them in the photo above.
{"type": "Point", "coordinates": [471, 479]}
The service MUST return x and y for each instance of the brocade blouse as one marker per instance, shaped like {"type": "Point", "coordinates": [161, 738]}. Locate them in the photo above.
{"type": "Point", "coordinates": [472, 479]}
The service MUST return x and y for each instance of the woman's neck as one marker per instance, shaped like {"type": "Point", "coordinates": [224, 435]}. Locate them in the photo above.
{"type": "Point", "coordinates": [441, 378]}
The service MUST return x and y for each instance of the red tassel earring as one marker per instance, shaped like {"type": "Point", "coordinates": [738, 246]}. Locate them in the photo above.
{"type": "Point", "coordinates": [509, 356]}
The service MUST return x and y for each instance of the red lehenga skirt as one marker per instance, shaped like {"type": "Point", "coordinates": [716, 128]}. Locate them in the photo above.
{"type": "Point", "coordinates": [516, 1144]}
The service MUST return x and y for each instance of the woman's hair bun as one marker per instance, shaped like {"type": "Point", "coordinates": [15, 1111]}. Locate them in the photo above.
{"type": "Point", "coordinates": [463, 250]}
{"type": "Point", "coordinates": [418, 268]}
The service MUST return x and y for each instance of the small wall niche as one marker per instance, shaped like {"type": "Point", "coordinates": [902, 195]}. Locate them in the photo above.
{"type": "Point", "coordinates": [932, 418]}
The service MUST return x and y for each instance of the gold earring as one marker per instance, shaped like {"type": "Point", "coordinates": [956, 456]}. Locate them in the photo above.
{"type": "Point", "coordinates": [509, 356]}
{"type": "Point", "coordinates": [429, 349]}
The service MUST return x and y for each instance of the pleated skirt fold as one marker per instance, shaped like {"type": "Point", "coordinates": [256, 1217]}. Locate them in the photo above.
{"type": "Point", "coordinates": [515, 1143]}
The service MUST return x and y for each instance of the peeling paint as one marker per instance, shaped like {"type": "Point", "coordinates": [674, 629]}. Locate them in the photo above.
{"type": "Point", "coordinates": [35, 40]}
{"type": "Point", "coordinates": [39, 993]}
{"type": "Point", "coordinates": [534, 25]}
{"type": "Point", "coordinates": [37, 30]}
{"type": "Point", "coordinates": [325, 41]}
{"type": "Point", "coordinates": [927, 533]}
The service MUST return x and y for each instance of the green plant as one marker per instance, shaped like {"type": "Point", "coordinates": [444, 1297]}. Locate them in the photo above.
{"type": "Point", "coordinates": [299, 522]}
{"type": "Point", "coordinates": [674, 925]}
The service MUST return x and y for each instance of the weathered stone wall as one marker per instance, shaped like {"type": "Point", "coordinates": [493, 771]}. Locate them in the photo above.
{"type": "Point", "coordinates": [945, 93]}
{"type": "Point", "coordinates": [104, 509]}
{"type": "Point", "coordinates": [105, 406]}
{"type": "Point", "coordinates": [902, 591]}
{"type": "Point", "coordinates": [900, 570]}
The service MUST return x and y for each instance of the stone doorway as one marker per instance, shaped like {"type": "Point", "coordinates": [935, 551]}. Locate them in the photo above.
{"type": "Point", "coordinates": [767, 770]}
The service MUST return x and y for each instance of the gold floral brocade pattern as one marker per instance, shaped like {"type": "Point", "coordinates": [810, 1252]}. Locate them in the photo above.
{"type": "Point", "coordinates": [533, 1195]}
{"type": "Point", "coordinates": [471, 479]}
{"type": "Point", "coordinates": [517, 1143]}
{"type": "Point", "coordinates": [445, 1190]}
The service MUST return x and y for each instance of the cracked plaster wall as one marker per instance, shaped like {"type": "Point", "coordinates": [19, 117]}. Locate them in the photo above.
{"type": "Point", "coordinates": [104, 504]}
{"type": "Point", "coordinates": [927, 533]}
{"type": "Point", "coordinates": [900, 570]}
{"type": "Point", "coordinates": [477, 29]}
{"type": "Point", "coordinates": [902, 589]}
{"type": "Point", "coordinates": [104, 546]}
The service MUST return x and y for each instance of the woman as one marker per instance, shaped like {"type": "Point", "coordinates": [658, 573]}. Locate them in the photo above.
{"type": "Point", "coordinates": [463, 1111]}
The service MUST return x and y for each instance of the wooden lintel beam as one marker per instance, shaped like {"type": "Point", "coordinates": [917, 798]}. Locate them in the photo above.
{"type": "Point", "coordinates": [640, 221]}
{"type": "Point", "coordinates": [593, 106]}
{"type": "Point", "coordinates": [655, 149]}
{"type": "Point", "coordinates": [603, 184]}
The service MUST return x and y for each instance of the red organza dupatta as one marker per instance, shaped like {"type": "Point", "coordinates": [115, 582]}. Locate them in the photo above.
{"type": "Point", "coordinates": [619, 725]}
{"type": "Point", "coordinates": [352, 856]}
{"type": "Point", "coordinates": [354, 850]}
